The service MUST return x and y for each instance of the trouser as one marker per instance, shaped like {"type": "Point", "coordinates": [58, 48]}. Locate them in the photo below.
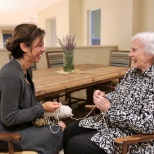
{"type": "Point", "coordinates": [77, 140]}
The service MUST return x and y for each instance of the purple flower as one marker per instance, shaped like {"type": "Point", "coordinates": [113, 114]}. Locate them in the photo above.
{"type": "Point", "coordinates": [67, 43]}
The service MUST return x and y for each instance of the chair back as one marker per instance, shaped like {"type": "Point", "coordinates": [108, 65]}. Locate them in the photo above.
{"type": "Point", "coordinates": [54, 58]}
{"type": "Point", "coordinates": [119, 58]}
{"type": "Point", "coordinates": [33, 66]}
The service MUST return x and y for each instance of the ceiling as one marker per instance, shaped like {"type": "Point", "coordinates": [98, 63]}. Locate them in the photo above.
{"type": "Point", "coordinates": [13, 12]}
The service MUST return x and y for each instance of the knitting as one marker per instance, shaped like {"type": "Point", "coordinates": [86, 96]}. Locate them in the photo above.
{"type": "Point", "coordinates": [53, 118]}
{"type": "Point", "coordinates": [63, 112]}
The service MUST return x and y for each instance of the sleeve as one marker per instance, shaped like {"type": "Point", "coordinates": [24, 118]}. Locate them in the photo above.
{"type": "Point", "coordinates": [110, 95]}
{"type": "Point", "coordinates": [140, 120]}
{"type": "Point", "coordinates": [12, 92]}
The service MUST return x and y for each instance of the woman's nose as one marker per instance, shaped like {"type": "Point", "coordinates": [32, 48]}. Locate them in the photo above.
{"type": "Point", "coordinates": [43, 49]}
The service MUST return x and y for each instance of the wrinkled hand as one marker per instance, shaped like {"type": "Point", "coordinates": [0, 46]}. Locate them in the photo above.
{"type": "Point", "coordinates": [100, 101]}
{"type": "Point", "coordinates": [51, 106]}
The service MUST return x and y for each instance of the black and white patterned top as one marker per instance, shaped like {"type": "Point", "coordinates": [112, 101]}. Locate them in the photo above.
{"type": "Point", "coordinates": [131, 112]}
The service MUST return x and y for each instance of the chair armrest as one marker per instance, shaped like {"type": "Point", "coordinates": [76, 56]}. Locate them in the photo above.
{"type": "Point", "coordinates": [123, 141]}
{"type": "Point", "coordinates": [10, 136]}
{"type": "Point", "coordinates": [89, 107]}
{"type": "Point", "coordinates": [108, 86]}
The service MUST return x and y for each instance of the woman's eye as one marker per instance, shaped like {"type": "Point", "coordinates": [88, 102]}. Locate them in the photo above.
{"type": "Point", "coordinates": [42, 44]}
{"type": "Point", "coordinates": [133, 50]}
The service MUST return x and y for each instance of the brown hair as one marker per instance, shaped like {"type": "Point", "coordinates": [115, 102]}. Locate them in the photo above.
{"type": "Point", "coordinates": [23, 33]}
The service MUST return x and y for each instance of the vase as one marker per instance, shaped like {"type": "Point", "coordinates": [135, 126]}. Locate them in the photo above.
{"type": "Point", "coordinates": [68, 61]}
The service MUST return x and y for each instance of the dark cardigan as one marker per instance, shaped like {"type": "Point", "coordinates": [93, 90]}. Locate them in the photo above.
{"type": "Point", "coordinates": [18, 108]}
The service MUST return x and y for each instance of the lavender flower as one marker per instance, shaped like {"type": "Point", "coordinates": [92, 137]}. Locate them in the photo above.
{"type": "Point", "coordinates": [67, 43]}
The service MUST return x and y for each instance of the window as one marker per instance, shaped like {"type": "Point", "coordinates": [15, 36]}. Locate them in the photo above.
{"type": "Point", "coordinates": [5, 37]}
{"type": "Point", "coordinates": [94, 27]}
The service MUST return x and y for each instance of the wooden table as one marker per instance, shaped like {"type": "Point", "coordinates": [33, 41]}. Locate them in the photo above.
{"type": "Point", "coordinates": [52, 81]}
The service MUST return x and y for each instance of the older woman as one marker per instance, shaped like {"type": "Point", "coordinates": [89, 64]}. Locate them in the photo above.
{"type": "Point", "coordinates": [18, 107]}
{"type": "Point", "coordinates": [126, 111]}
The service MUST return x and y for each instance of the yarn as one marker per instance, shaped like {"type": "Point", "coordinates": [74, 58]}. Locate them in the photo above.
{"type": "Point", "coordinates": [52, 118]}
{"type": "Point", "coordinates": [63, 112]}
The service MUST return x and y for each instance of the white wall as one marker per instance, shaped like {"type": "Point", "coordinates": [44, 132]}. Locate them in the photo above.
{"type": "Point", "coordinates": [125, 24]}
{"type": "Point", "coordinates": [120, 20]}
{"type": "Point", "coordinates": [82, 55]}
{"type": "Point", "coordinates": [75, 20]}
{"type": "Point", "coordinates": [60, 12]}
{"type": "Point", "coordinates": [147, 20]}
{"type": "Point", "coordinates": [109, 20]}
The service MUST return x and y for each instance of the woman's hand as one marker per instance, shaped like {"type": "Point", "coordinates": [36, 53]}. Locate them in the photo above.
{"type": "Point", "coordinates": [62, 125]}
{"type": "Point", "coordinates": [100, 101]}
{"type": "Point", "coordinates": [51, 106]}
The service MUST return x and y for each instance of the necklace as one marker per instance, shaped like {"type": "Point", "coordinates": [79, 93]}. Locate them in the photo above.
{"type": "Point", "coordinates": [23, 69]}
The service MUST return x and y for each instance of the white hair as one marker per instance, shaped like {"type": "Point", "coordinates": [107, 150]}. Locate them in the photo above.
{"type": "Point", "coordinates": [147, 39]}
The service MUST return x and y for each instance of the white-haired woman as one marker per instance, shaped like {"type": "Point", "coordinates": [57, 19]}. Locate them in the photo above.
{"type": "Point", "coordinates": [126, 111]}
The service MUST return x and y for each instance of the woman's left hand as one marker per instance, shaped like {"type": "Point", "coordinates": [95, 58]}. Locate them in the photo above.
{"type": "Point", "coordinates": [101, 102]}
{"type": "Point", "coordinates": [62, 125]}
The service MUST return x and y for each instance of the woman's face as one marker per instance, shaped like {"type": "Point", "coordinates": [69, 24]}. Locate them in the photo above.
{"type": "Point", "coordinates": [137, 54]}
{"type": "Point", "coordinates": [37, 50]}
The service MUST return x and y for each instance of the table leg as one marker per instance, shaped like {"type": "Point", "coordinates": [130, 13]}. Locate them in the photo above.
{"type": "Point", "coordinates": [90, 92]}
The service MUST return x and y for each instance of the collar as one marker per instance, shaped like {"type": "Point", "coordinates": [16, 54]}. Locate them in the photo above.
{"type": "Point", "coordinates": [147, 73]}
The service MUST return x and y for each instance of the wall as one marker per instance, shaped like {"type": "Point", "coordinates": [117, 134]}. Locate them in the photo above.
{"type": "Point", "coordinates": [120, 20]}
{"type": "Point", "coordinates": [4, 57]}
{"type": "Point", "coordinates": [60, 12]}
{"type": "Point", "coordinates": [125, 25]}
{"type": "Point", "coordinates": [82, 55]}
{"type": "Point", "coordinates": [136, 17]}
{"type": "Point", "coordinates": [93, 54]}
{"type": "Point", "coordinates": [147, 21]}
{"type": "Point", "coordinates": [75, 20]}
{"type": "Point", "coordinates": [109, 17]}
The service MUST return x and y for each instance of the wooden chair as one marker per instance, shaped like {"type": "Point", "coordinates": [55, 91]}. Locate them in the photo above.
{"type": "Point", "coordinates": [124, 142]}
{"type": "Point", "coordinates": [33, 66]}
{"type": "Point", "coordinates": [54, 59]}
{"type": "Point", "coordinates": [119, 58]}
{"type": "Point", "coordinates": [11, 138]}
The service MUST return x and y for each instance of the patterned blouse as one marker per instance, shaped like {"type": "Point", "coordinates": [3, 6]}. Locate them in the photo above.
{"type": "Point", "coordinates": [131, 112]}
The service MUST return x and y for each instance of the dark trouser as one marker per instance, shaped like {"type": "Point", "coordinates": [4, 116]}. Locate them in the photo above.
{"type": "Point", "coordinates": [77, 140]}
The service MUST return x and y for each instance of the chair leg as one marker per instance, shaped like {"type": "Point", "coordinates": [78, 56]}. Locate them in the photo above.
{"type": "Point", "coordinates": [124, 149]}
{"type": "Point", "coordinates": [69, 99]}
{"type": "Point", "coordinates": [10, 147]}
{"type": "Point", "coordinates": [57, 99]}
{"type": "Point", "coordinates": [89, 93]}
{"type": "Point", "coordinates": [66, 97]}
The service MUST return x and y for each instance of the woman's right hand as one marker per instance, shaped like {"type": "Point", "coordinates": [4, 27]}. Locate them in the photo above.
{"type": "Point", "coordinates": [100, 101]}
{"type": "Point", "coordinates": [51, 106]}
{"type": "Point", "coordinates": [99, 93]}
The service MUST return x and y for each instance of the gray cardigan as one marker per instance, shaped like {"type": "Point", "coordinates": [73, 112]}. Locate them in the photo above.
{"type": "Point", "coordinates": [18, 108]}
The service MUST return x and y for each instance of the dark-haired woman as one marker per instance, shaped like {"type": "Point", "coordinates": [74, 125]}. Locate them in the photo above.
{"type": "Point", "coordinates": [18, 107]}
